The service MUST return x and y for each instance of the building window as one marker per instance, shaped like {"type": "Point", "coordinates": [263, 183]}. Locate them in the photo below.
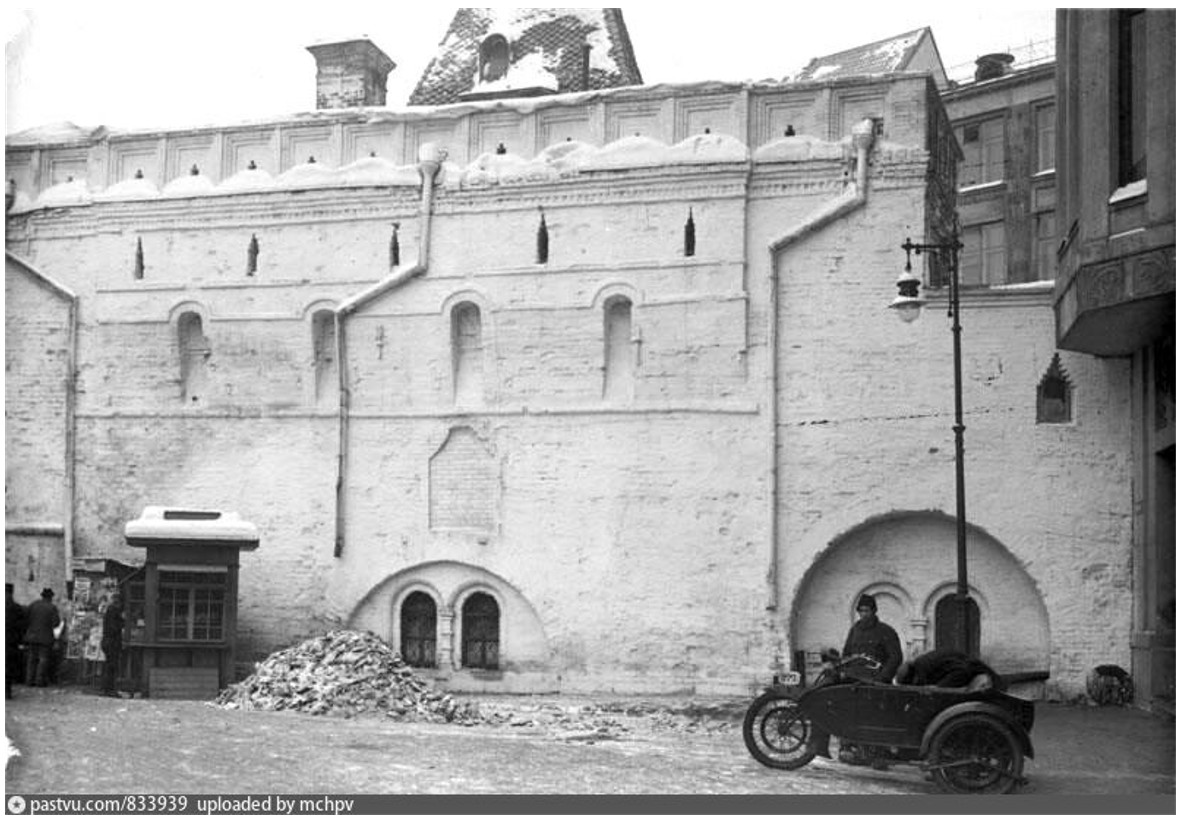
{"type": "Point", "coordinates": [1044, 134]}
{"type": "Point", "coordinates": [323, 344]}
{"type": "Point", "coordinates": [495, 57]}
{"type": "Point", "coordinates": [191, 606]}
{"type": "Point", "coordinates": [480, 632]}
{"type": "Point", "coordinates": [619, 363]}
{"type": "Point", "coordinates": [1045, 256]}
{"type": "Point", "coordinates": [1054, 395]}
{"type": "Point", "coordinates": [1132, 92]}
{"type": "Point", "coordinates": [982, 259]}
{"type": "Point", "coordinates": [983, 146]}
{"type": "Point", "coordinates": [419, 630]}
{"type": "Point", "coordinates": [466, 338]}
{"type": "Point", "coordinates": [194, 354]}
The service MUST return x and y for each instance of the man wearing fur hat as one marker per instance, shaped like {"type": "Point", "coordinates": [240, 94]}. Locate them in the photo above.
{"type": "Point", "coordinates": [875, 639]}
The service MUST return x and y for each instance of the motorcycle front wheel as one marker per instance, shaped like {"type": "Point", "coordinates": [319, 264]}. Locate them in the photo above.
{"type": "Point", "coordinates": [777, 733]}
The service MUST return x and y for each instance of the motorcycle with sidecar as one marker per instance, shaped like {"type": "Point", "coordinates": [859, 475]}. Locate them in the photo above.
{"type": "Point", "coordinates": [970, 741]}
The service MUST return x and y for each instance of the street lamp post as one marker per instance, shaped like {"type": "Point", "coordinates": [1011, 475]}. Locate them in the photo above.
{"type": "Point", "coordinates": [908, 304]}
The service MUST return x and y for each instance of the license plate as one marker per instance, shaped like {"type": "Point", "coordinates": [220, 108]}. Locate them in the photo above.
{"type": "Point", "coordinates": [790, 678]}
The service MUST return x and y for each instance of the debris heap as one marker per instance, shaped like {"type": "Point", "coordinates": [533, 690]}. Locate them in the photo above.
{"type": "Point", "coordinates": [343, 673]}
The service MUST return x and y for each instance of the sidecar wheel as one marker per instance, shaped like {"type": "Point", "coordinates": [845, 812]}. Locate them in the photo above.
{"type": "Point", "coordinates": [976, 753]}
{"type": "Point", "coordinates": [777, 733]}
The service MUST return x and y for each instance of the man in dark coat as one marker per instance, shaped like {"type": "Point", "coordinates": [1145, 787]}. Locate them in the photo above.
{"type": "Point", "coordinates": [14, 629]}
{"type": "Point", "coordinates": [950, 669]}
{"type": "Point", "coordinates": [112, 643]}
{"type": "Point", "coordinates": [43, 618]}
{"type": "Point", "coordinates": [873, 638]}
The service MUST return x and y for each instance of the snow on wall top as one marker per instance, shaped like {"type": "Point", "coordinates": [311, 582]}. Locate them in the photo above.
{"type": "Point", "coordinates": [555, 35]}
{"type": "Point", "coordinates": [561, 161]}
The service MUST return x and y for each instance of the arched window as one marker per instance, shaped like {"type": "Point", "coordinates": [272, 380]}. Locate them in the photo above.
{"type": "Point", "coordinates": [323, 344]}
{"type": "Point", "coordinates": [480, 632]}
{"type": "Point", "coordinates": [495, 56]}
{"type": "Point", "coordinates": [194, 355]}
{"type": "Point", "coordinates": [619, 356]}
{"type": "Point", "coordinates": [419, 630]}
{"type": "Point", "coordinates": [948, 615]}
{"type": "Point", "coordinates": [466, 339]}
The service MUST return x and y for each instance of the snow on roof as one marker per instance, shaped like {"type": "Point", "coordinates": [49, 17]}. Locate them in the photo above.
{"type": "Point", "coordinates": [883, 56]}
{"type": "Point", "coordinates": [159, 523]}
{"type": "Point", "coordinates": [54, 133]}
{"type": "Point", "coordinates": [557, 35]}
{"type": "Point", "coordinates": [531, 71]}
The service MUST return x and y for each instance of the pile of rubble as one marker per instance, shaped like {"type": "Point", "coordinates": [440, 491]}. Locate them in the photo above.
{"type": "Point", "coordinates": [344, 673]}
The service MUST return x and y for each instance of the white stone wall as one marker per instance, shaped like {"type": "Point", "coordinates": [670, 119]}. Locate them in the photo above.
{"type": "Point", "coordinates": [661, 541]}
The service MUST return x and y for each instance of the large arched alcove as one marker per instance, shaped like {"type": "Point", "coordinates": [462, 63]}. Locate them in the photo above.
{"type": "Point", "coordinates": [908, 561]}
{"type": "Point", "coordinates": [522, 643]}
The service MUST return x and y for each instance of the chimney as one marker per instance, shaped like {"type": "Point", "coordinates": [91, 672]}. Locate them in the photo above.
{"type": "Point", "coordinates": [992, 66]}
{"type": "Point", "coordinates": [352, 74]}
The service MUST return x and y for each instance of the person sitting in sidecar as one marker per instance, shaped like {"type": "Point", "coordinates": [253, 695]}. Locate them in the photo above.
{"type": "Point", "coordinates": [949, 668]}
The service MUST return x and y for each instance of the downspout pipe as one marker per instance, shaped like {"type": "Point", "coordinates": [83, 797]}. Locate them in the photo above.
{"type": "Point", "coordinates": [852, 199]}
{"type": "Point", "coordinates": [430, 158]}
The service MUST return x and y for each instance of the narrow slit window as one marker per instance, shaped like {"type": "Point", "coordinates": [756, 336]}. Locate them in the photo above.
{"type": "Point", "coordinates": [251, 255]}
{"type": "Point", "coordinates": [689, 234]}
{"type": "Point", "coordinates": [541, 241]}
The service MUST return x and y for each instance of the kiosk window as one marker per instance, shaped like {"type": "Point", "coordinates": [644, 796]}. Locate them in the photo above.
{"type": "Point", "coordinates": [191, 606]}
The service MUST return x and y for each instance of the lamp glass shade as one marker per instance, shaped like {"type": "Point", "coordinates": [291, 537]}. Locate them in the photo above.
{"type": "Point", "coordinates": [907, 307]}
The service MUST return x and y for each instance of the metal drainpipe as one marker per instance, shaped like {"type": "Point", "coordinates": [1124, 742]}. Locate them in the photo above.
{"type": "Point", "coordinates": [430, 159]}
{"type": "Point", "coordinates": [862, 135]}
{"type": "Point", "coordinates": [71, 435]}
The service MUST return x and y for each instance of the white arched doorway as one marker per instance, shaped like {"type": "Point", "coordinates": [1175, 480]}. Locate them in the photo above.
{"type": "Point", "coordinates": [908, 562]}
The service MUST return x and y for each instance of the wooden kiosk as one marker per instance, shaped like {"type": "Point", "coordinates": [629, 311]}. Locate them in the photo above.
{"type": "Point", "coordinates": [181, 611]}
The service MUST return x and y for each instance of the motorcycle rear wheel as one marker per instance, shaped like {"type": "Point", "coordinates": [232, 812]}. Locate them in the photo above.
{"type": "Point", "coordinates": [976, 753]}
{"type": "Point", "coordinates": [777, 733]}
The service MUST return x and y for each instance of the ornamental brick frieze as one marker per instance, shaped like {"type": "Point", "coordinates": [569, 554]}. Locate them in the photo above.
{"type": "Point", "coordinates": [585, 193]}
{"type": "Point", "coordinates": [271, 209]}
{"type": "Point", "coordinates": [1106, 284]}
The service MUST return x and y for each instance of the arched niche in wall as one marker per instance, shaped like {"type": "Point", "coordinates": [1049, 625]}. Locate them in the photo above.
{"type": "Point", "coordinates": [189, 323]}
{"type": "Point", "coordinates": [472, 364]}
{"type": "Point", "coordinates": [523, 641]}
{"type": "Point", "coordinates": [320, 316]}
{"type": "Point", "coordinates": [908, 559]}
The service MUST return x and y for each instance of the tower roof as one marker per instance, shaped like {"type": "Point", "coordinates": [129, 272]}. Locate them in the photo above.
{"type": "Point", "coordinates": [913, 51]}
{"type": "Point", "coordinates": [495, 53]}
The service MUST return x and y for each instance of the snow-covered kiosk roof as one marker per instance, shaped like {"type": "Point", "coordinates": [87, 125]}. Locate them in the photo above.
{"type": "Point", "coordinates": [159, 525]}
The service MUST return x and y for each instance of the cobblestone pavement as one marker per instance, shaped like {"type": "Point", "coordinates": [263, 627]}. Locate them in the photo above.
{"type": "Point", "coordinates": [72, 741]}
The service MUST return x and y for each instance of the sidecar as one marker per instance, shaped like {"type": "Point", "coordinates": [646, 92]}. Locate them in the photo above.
{"type": "Point", "coordinates": [970, 741]}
